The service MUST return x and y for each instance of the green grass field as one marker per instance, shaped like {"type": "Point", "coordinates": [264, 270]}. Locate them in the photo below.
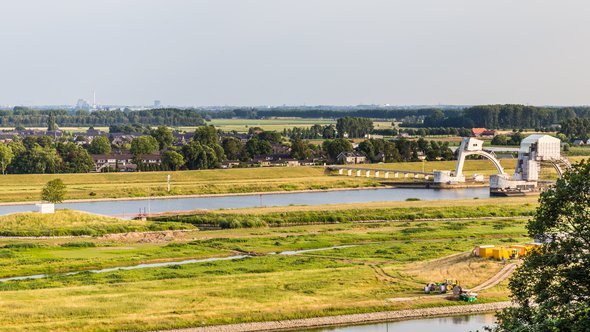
{"type": "Point", "coordinates": [143, 184]}
{"type": "Point", "coordinates": [74, 223]}
{"type": "Point", "coordinates": [342, 213]}
{"type": "Point", "coordinates": [243, 125]}
{"type": "Point", "coordinates": [389, 260]}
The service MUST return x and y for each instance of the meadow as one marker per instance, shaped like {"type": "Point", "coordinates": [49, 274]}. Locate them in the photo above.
{"type": "Point", "coordinates": [74, 223]}
{"type": "Point", "coordinates": [143, 184]}
{"type": "Point", "coordinates": [385, 263]}
{"type": "Point", "coordinates": [342, 213]}
{"type": "Point", "coordinates": [277, 124]}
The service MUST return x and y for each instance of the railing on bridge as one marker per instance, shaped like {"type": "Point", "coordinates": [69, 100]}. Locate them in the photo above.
{"type": "Point", "coordinates": [379, 172]}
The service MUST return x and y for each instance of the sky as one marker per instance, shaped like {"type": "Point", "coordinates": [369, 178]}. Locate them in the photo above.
{"type": "Point", "coordinates": [295, 52]}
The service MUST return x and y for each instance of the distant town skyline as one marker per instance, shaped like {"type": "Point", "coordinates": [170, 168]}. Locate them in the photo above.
{"type": "Point", "coordinates": [268, 52]}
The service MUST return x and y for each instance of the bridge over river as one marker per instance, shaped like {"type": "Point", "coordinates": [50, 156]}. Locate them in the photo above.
{"type": "Point", "coordinates": [380, 172]}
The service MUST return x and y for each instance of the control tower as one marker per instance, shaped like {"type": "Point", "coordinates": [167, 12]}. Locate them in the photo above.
{"type": "Point", "coordinates": [535, 150]}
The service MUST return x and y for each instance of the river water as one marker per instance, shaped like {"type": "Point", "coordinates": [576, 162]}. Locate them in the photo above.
{"type": "Point", "coordinates": [440, 324]}
{"type": "Point", "coordinates": [130, 208]}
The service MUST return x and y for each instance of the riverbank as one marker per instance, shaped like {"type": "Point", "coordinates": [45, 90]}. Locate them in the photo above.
{"type": "Point", "coordinates": [354, 319]}
{"type": "Point", "coordinates": [92, 200]}
{"type": "Point", "coordinates": [27, 187]}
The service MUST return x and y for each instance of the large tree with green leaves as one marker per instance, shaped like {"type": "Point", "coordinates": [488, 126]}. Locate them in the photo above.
{"type": "Point", "coordinates": [333, 147]}
{"type": "Point", "coordinates": [552, 287]}
{"type": "Point", "coordinates": [100, 145]}
{"type": "Point", "coordinates": [54, 191]}
{"type": "Point", "coordinates": [144, 145]}
{"type": "Point", "coordinates": [164, 136]}
{"type": "Point", "coordinates": [199, 156]}
{"type": "Point", "coordinates": [232, 147]}
{"type": "Point", "coordinates": [6, 156]}
{"type": "Point", "coordinates": [172, 160]}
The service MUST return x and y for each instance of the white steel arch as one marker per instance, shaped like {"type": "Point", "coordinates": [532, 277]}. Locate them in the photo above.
{"type": "Point", "coordinates": [472, 146]}
{"type": "Point", "coordinates": [463, 154]}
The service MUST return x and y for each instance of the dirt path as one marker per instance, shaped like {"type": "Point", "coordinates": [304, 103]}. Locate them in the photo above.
{"type": "Point", "coordinates": [297, 324]}
{"type": "Point", "coordinates": [505, 273]}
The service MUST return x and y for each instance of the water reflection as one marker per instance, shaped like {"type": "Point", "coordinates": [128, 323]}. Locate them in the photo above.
{"type": "Point", "coordinates": [130, 208]}
{"type": "Point", "coordinates": [464, 323]}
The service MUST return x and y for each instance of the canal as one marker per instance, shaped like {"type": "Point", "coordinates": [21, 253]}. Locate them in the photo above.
{"type": "Point", "coordinates": [130, 208]}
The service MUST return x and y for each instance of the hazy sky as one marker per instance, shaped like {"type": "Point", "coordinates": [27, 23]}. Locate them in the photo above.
{"type": "Point", "coordinates": [274, 52]}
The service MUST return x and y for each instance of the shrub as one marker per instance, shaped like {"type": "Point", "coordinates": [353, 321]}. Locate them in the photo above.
{"type": "Point", "coordinates": [78, 244]}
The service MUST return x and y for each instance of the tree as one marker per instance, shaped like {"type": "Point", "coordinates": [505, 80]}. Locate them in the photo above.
{"type": "Point", "coordinates": [54, 191]}
{"type": "Point", "coordinates": [6, 156]}
{"type": "Point", "coordinates": [199, 156]}
{"type": "Point", "coordinates": [232, 147]}
{"type": "Point", "coordinates": [500, 140]}
{"type": "Point", "coordinates": [256, 147]}
{"type": "Point", "coordinates": [367, 148]}
{"type": "Point", "coordinates": [206, 135]}
{"type": "Point", "coordinates": [164, 136]}
{"type": "Point", "coordinates": [172, 160]}
{"type": "Point", "coordinates": [300, 149]}
{"type": "Point", "coordinates": [36, 160]}
{"type": "Point", "coordinates": [144, 145]}
{"type": "Point", "coordinates": [334, 147]}
{"type": "Point", "coordinates": [354, 127]}
{"type": "Point", "coordinates": [552, 287]}
{"type": "Point", "coordinates": [51, 122]}
{"type": "Point", "coordinates": [100, 145]}
{"type": "Point", "coordinates": [75, 158]}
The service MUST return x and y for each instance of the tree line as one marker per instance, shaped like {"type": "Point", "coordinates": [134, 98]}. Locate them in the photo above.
{"type": "Point", "coordinates": [381, 150]}
{"type": "Point", "coordinates": [505, 116]}
{"type": "Point", "coordinates": [576, 128]}
{"type": "Point", "coordinates": [24, 117]}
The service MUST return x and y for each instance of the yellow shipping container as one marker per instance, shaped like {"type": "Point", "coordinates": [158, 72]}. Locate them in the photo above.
{"type": "Point", "coordinates": [500, 253]}
{"type": "Point", "coordinates": [520, 250]}
{"type": "Point", "coordinates": [481, 250]}
{"type": "Point", "coordinates": [486, 252]}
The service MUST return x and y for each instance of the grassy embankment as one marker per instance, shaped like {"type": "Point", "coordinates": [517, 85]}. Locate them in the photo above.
{"type": "Point", "coordinates": [74, 223]}
{"type": "Point", "coordinates": [391, 260]}
{"type": "Point", "coordinates": [143, 184]}
{"type": "Point", "coordinates": [339, 213]}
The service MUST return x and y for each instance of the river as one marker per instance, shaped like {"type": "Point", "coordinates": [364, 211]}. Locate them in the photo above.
{"type": "Point", "coordinates": [130, 208]}
{"type": "Point", "coordinates": [462, 323]}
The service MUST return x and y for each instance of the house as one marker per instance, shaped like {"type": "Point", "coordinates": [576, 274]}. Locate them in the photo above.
{"type": "Point", "coordinates": [373, 136]}
{"type": "Point", "coordinates": [477, 131]}
{"type": "Point", "coordinates": [351, 158]}
{"type": "Point", "coordinates": [122, 162]}
{"type": "Point", "coordinates": [120, 138]}
{"type": "Point", "coordinates": [488, 133]}
{"type": "Point", "coordinates": [579, 142]}
{"type": "Point", "coordinates": [182, 138]}
{"type": "Point", "coordinates": [88, 135]}
{"type": "Point", "coordinates": [280, 149]}
{"type": "Point", "coordinates": [230, 164]}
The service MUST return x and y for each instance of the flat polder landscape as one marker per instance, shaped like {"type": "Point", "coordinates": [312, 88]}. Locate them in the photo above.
{"type": "Point", "coordinates": [295, 165]}
{"type": "Point", "coordinates": [256, 264]}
